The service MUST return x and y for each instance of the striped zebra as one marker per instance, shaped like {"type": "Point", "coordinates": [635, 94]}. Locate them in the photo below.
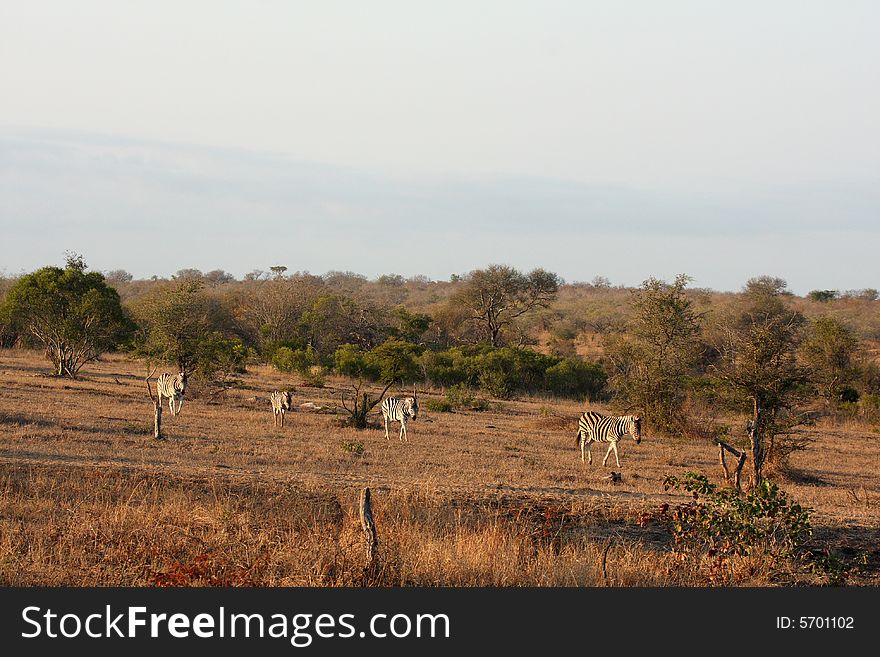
{"type": "Point", "coordinates": [172, 387]}
{"type": "Point", "coordinates": [399, 409]}
{"type": "Point", "coordinates": [281, 402]}
{"type": "Point", "coordinates": [593, 427]}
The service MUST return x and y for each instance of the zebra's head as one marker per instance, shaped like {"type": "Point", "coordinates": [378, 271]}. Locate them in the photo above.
{"type": "Point", "coordinates": [411, 406]}
{"type": "Point", "coordinates": [635, 428]}
{"type": "Point", "coordinates": [286, 399]}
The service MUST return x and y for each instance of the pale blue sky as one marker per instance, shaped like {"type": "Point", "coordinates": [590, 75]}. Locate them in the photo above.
{"type": "Point", "coordinates": [627, 139]}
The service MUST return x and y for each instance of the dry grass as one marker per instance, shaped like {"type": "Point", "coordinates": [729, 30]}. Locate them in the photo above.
{"type": "Point", "coordinates": [498, 498]}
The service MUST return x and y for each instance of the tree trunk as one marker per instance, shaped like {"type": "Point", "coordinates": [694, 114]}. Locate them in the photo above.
{"type": "Point", "coordinates": [371, 538]}
{"type": "Point", "coordinates": [756, 437]}
{"type": "Point", "coordinates": [157, 420]}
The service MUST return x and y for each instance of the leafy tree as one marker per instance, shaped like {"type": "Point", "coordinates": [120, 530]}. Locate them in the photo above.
{"type": "Point", "coordinates": [182, 324]}
{"type": "Point", "coordinates": [410, 326]}
{"type": "Point", "coordinates": [759, 368]}
{"type": "Point", "coordinates": [823, 296]}
{"type": "Point", "coordinates": [352, 362]}
{"type": "Point", "coordinates": [286, 359]}
{"type": "Point", "coordinates": [335, 320]}
{"type": "Point", "coordinates": [649, 367]}
{"type": "Point", "coordinates": [396, 360]}
{"type": "Point", "coordinates": [270, 312]}
{"type": "Point", "coordinates": [577, 379]}
{"type": "Point", "coordinates": [830, 351]}
{"type": "Point", "coordinates": [496, 296]}
{"type": "Point", "coordinates": [75, 315]}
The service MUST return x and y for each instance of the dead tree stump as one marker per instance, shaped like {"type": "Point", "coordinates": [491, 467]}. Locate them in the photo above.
{"type": "Point", "coordinates": [371, 539]}
{"type": "Point", "coordinates": [741, 461]}
{"type": "Point", "coordinates": [157, 408]}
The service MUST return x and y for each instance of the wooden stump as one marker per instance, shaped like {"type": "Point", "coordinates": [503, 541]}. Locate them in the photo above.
{"type": "Point", "coordinates": [157, 420]}
{"type": "Point", "coordinates": [371, 539]}
{"type": "Point", "coordinates": [741, 460]}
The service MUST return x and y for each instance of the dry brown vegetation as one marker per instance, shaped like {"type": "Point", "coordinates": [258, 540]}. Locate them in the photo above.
{"type": "Point", "coordinates": [499, 497]}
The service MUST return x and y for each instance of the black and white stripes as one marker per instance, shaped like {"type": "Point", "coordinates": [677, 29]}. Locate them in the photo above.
{"type": "Point", "coordinates": [400, 410]}
{"type": "Point", "coordinates": [281, 402]}
{"type": "Point", "coordinates": [172, 387]}
{"type": "Point", "coordinates": [594, 427]}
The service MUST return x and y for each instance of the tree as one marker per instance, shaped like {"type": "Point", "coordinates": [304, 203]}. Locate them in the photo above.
{"type": "Point", "coordinates": [270, 311]}
{"type": "Point", "coordinates": [649, 366]}
{"type": "Point", "coordinates": [182, 324]}
{"type": "Point", "coordinates": [396, 360]}
{"type": "Point", "coordinates": [278, 271]}
{"type": "Point", "coordinates": [217, 277]}
{"type": "Point", "coordinates": [498, 295]}
{"type": "Point", "coordinates": [188, 274]}
{"type": "Point", "coordinates": [758, 366]}
{"type": "Point", "coordinates": [118, 276]}
{"type": "Point", "coordinates": [335, 319]}
{"type": "Point", "coordinates": [410, 326]}
{"type": "Point", "coordinates": [75, 315]}
{"type": "Point", "coordinates": [823, 296]}
{"type": "Point", "coordinates": [830, 351]}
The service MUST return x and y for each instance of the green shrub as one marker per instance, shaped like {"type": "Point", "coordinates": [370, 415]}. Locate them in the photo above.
{"type": "Point", "coordinates": [352, 362]}
{"type": "Point", "coordinates": [576, 379]}
{"type": "Point", "coordinates": [301, 361]}
{"type": "Point", "coordinates": [463, 397]}
{"type": "Point", "coordinates": [395, 360]}
{"type": "Point", "coordinates": [726, 522]}
{"type": "Point", "coordinates": [439, 406]}
{"type": "Point", "coordinates": [352, 447]}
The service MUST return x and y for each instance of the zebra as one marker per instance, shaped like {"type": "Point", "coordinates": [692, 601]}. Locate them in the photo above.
{"type": "Point", "coordinates": [172, 387]}
{"type": "Point", "coordinates": [400, 410]}
{"type": "Point", "coordinates": [593, 427]}
{"type": "Point", "coordinates": [281, 402]}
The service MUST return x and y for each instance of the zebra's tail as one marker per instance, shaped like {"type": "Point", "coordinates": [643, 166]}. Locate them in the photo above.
{"type": "Point", "coordinates": [577, 439]}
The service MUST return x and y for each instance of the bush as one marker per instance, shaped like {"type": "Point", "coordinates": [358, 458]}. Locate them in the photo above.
{"type": "Point", "coordinates": [439, 406]}
{"type": "Point", "coordinates": [352, 362]}
{"type": "Point", "coordinates": [503, 372]}
{"type": "Point", "coordinates": [462, 397]}
{"type": "Point", "coordinates": [301, 361]}
{"type": "Point", "coordinates": [576, 379]}
{"type": "Point", "coordinates": [726, 522]}
{"type": "Point", "coordinates": [395, 360]}
{"type": "Point", "coordinates": [445, 368]}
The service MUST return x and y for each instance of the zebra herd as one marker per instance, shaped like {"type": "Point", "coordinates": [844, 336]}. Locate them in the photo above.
{"type": "Point", "coordinates": [592, 427]}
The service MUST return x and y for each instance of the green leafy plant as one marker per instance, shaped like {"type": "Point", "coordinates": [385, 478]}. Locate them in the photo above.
{"type": "Point", "coordinates": [352, 447]}
{"type": "Point", "coordinates": [725, 522]}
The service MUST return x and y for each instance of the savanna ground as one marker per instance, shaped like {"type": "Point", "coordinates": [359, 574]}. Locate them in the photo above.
{"type": "Point", "coordinates": [496, 497]}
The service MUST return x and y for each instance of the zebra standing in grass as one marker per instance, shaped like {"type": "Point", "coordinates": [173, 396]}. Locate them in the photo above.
{"type": "Point", "coordinates": [281, 402]}
{"type": "Point", "coordinates": [593, 427]}
{"type": "Point", "coordinates": [172, 387]}
{"type": "Point", "coordinates": [400, 410]}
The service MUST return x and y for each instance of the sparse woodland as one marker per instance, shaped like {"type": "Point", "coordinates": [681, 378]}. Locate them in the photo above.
{"type": "Point", "coordinates": [489, 490]}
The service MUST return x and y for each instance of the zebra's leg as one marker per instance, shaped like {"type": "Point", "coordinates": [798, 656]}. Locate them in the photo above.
{"type": "Point", "coordinates": [386, 427]}
{"type": "Point", "coordinates": [583, 454]}
{"type": "Point", "coordinates": [617, 460]}
{"type": "Point", "coordinates": [403, 430]}
{"type": "Point", "coordinates": [171, 405]}
{"type": "Point", "coordinates": [282, 418]}
{"type": "Point", "coordinates": [612, 446]}
{"type": "Point", "coordinates": [179, 405]}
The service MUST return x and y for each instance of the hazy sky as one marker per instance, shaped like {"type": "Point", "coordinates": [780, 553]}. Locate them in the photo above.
{"type": "Point", "coordinates": [623, 138]}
